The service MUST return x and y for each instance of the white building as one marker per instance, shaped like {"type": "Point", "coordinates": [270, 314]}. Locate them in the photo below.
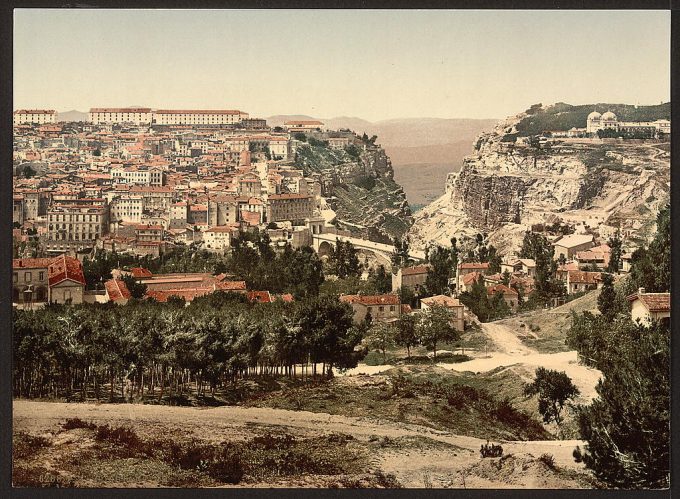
{"type": "Point", "coordinates": [278, 147]}
{"type": "Point", "coordinates": [137, 175]}
{"type": "Point", "coordinates": [608, 121]}
{"type": "Point", "coordinates": [136, 115]}
{"type": "Point", "coordinates": [198, 117]}
{"type": "Point", "coordinates": [38, 116]}
{"type": "Point", "coordinates": [217, 239]}
{"type": "Point", "coordinates": [126, 208]}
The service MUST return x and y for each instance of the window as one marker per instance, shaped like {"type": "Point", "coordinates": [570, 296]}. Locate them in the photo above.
{"type": "Point", "coordinates": [41, 276]}
{"type": "Point", "coordinates": [28, 277]}
{"type": "Point", "coordinates": [391, 308]}
{"type": "Point", "coordinates": [16, 276]}
{"type": "Point", "coordinates": [381, 308]}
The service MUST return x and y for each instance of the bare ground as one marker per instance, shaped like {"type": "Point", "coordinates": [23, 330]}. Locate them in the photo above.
{"type": "Point", "coordinates": [418, 456]}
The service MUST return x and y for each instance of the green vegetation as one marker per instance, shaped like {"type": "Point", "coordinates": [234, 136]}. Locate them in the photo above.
{"type": "Point", "coordinates": [486, 309]}
{"type": "Point", "coordinates": [191, 463]}
{"type": "Point", "coordinates": [252, 259]}
{"type": "Point", "coordinates": [421, 395]}
{"type": "Point", "coordinates": [158, 349]}
{"type": "Point", "coordinates": [343, 260]}
{"type": "Point", "coordinates": [365, 182]}
{"type": "Point", "coordinates": [554, 389]}
{"type": "Point", "coordinates": [628, 426]}
{"type": "Point", "coordinates": [563, 116]}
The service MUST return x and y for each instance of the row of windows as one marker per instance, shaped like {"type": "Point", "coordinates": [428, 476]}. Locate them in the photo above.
{"type": "Point", "coordinates": [28, 276]}
{"type": "Point", "coordinates": [74, 218]}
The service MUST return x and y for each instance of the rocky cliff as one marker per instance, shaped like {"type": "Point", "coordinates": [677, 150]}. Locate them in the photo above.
{"type": "Point", "coordinates": [508, 184]}
{"type": "Point", "coordinates": [359, 187]}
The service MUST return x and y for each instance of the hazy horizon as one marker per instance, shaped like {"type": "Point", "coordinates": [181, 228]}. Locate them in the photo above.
{"type": "Point", "coordinates": [375, 65]}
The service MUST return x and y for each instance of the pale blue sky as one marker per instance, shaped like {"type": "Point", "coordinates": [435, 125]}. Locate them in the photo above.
{"type": "Point", "coordinates": [370, 64]}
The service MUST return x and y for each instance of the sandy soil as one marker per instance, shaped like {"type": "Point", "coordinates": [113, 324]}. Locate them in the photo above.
{"type": "Point", "coordinates": [421, 455]}
{"type": "Point", "coordinates": [510, 351]}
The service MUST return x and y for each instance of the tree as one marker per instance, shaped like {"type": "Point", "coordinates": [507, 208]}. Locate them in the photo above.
{"type": "Point", "coordinates": [136, 289]}
{"type": "Point", "coordinates": [608, 302]}
{"type": "Point", "coordinates": [382, 280]}
{"type": "Point", "coordinates": [554, 389]}
{"type": "Point", "coordinates": [406, 334]}
{"type": "Point", "coordinates": [434, 327]}
{"type": "Point", "coordinates": [439, 271]}
{"type": "Point", "coordinates": [627, 427]}
{"type": "Point", "coordinates": [380, 336]}
{"type": "Point", "coordinates": [505, 277]}
{"type": "Point", "coordinates": [615, 255]}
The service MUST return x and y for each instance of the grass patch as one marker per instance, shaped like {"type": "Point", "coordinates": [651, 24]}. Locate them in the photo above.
{"type": "Point", "coordinates": [120, 456]}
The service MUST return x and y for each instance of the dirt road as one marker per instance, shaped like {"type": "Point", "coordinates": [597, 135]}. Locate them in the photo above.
{"type": "Point", "coordinates": [413, 465]}
{"type": "Point", "coordinates": [509, 350]}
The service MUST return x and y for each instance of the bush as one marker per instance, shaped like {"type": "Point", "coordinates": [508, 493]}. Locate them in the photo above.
{"type": "Point", "coordinates": [548, 460]}
{"type": "Point", "coordinates": [121, 435]}
{"type": "Point", "coordinates": [74, 423]}
{"type": "Point", "coordinates": [25, 445]}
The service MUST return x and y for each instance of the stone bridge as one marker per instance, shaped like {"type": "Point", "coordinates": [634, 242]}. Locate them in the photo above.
{"type": "Point", "coordinates": [322, 244]}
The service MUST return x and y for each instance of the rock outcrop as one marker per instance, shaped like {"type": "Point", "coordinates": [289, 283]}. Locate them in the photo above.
{"type": "Point", "coordinates": [360, 189]}
{"type": "Point", "coordinates": [510, 183]}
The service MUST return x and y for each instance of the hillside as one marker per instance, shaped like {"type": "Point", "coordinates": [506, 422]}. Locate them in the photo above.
{"type": "Point", "coordinates": [504, 188]}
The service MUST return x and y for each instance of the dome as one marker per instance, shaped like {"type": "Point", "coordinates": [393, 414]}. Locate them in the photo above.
{"type": "Point", "coordinates": [609, 116]}
{"type": "Point", "coordinates": [594, 116]}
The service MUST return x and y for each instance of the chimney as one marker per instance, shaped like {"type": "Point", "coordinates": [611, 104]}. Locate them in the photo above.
{"type": "Point", "coordinates": [641, 291]}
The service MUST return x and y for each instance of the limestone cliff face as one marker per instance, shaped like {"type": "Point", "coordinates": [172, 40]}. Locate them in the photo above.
{"type": "Point", "coordinates": [504, 187]}
{"type": "Point", "coordinates": [361, 190]}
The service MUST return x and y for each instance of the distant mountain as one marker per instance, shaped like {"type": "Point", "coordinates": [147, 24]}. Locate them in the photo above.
{"type": "Point", "coordinates": [72, 116]}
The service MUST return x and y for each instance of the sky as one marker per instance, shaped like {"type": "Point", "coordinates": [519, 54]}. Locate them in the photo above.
{"type": "Point", "coordinates": [325, 63]}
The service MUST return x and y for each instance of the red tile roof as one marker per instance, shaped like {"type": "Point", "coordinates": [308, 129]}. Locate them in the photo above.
{"type": "Point", "coordinates": [654, 302]}
{"type": "Point", "coordinates": [417, 269]}
{"type": "Point", "coordinates": [259, 296]}
{"type": "Point", "coordinates": [231, 286]}
{"type": "Point", "coordinates": [138, 272]}
{"type": "Point", "coordinates": [583, 277]}
{"type": "Point", "coordinates": [388, 299]}
{"type": "Point", "coordinates": [65, 268]}
{"type": "Point", "coordinates": [500, 288]}
{"type": "Point", "coordinates": [473, 265]}
{"type": "Point", "coordinates": [117, 290]}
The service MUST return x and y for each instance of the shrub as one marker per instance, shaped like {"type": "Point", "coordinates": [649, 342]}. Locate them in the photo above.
{"type": "Point", "coordinates": [74, 423]}
{"type": "Point", "coordinates": [25, 445]}
{"type": "Point", "coordinates": [121, 435]}
{"type": "Point", "coordinates": [548, 460]}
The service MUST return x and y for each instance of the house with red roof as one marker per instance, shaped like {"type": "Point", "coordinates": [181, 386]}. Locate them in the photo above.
{"type": "Point", "coordinates": [581, 280]}
{"type": "Point", "coordinates": [382, 308]}
{"type": "Point", "coordinates": [41, 280]}
{"type": "Point", "coordinates": [649, 307]}
{"type": "Point", "coordinates": [510, 296]}
{"type": "Point", "coordinates": [410, 277]}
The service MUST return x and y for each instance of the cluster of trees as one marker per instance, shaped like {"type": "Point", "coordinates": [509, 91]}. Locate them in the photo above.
{"type": "Point", "coordinates": [430, 328]}
{"type": "Point", "coordinates": [486, 309]}
{"type": "Point", "coordinates": [252, 259]}
{"type": "Point", "coordinates": [547, 286]}
{"type": "Point", "coordinates": [443, 264]}
{"type": "Point", "coordinates": [483, 252]}
{"type": "Point", "coordinates": [628, 426]}
{"type": "Point", "coordinates": [343, 260]}
{"type": "Point", "coordinates": [168, 349]}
